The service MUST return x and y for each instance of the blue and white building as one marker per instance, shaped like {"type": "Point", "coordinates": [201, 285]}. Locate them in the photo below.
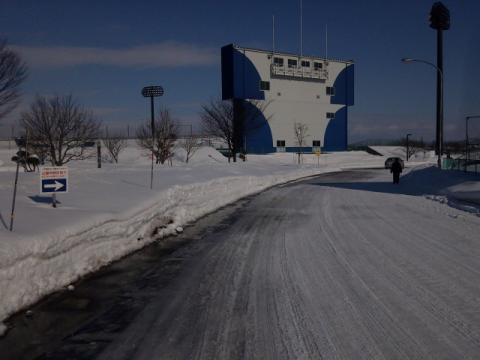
{"type": "Point", "coordinates": [296, 89]}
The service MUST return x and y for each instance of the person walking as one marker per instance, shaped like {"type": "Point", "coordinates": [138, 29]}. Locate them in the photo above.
{"type": "Point", "coordinates": [396, 169]}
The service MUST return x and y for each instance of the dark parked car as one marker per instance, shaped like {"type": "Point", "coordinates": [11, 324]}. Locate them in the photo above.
{"type": "Point", "coordinates": [390, 160]}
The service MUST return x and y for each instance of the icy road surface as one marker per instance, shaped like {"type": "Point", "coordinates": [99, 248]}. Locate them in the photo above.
{"type": "Point", "coordinates": [343, 266]}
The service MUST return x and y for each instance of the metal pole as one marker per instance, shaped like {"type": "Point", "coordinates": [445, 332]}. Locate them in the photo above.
{"type": "Point", "coordinates": [99, 154]}
{"type": "Point", "coordinates": [439, 96]}
{"type": "Point", "coordinates": [12, 215]}
{"type": "Point", "coordinates": [273, 36]}
{"type": "Point", "coordinates": [12, 137]}
{"type": "Point", "coordinates": [153, 138]}
{"type": "Point", "coordinates": [407, 147]}
{"type": "Point", "coordinates": [466, 142]}
{"type": "Point", "coordinates": [301, 28]}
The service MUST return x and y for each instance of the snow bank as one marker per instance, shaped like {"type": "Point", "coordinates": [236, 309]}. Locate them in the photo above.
{"type": "Point", "coordinates": [59, 258]}
{"type": "Point", "coordinates": [455, 188]}
{"type": "Point", "coordinates": [110, 212]}
{"type": "Point", "coordinates": [399, 151]}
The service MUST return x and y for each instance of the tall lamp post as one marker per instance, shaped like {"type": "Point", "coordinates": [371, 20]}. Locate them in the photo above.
{"type": "Point", "coordinates": [440, 21]}
{"type": "Point", "coordinates": [439, 137]}
{"type": "Point", "coordinates": [466, 137]}
{"type": "Point", "coordinates": [152, 92]}
{"type": "Point", "coordinates": [408, 150]}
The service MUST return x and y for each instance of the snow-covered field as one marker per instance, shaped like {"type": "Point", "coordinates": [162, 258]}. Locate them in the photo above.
{"type": "Point", "coordinates": [110, 212]}
{"type": "Point", "coordinates": [400, 151]}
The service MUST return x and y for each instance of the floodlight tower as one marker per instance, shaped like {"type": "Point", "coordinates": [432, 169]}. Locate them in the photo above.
{"type": "Point", "coordinates": [152, 92]}
{"type": "Point", "coordinates": [439, 20]}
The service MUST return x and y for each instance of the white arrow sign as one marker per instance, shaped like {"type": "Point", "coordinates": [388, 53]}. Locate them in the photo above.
{"type": "Point", "coordinates": [53, 179]}
{"type": "Point", "coordinates": [56, 186]}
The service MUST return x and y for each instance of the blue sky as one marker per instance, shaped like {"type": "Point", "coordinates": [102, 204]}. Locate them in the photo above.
{"type": "Point", "coordinates": [104, 52]}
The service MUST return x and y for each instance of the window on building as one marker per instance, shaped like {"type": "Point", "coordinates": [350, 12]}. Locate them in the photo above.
{"type": "Point", "coordinates": [265, 85]}
{"type": "Point", "coordinates": [292, 63]}
{"type": "Point", "coordinates": [330, 90]}
{"type": "Point", "coordinates": [278, 61]}
{"type": "Point", "coordinates": [280, 143]}
{"type": "Point", "coordinates": [330, 115]}
{"type": "Point", "coordinates": [317, 65]}
{"type": "Point", "coordinates": [316, 143]}
{"type": "Point", "coordinates": [305, 63]}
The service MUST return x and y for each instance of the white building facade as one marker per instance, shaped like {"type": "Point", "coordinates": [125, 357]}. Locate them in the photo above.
{"type": "Point", "coordinates": [292, 89]}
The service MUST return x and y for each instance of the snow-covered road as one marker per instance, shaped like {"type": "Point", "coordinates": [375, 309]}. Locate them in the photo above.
{"type": "Point", "coordinates": [343, 266]}
{"type": "Point", "coordinates": [319, 270]}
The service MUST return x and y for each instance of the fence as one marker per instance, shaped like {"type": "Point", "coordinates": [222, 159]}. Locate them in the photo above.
{"type": "Point", "coordinates": [472, 164]}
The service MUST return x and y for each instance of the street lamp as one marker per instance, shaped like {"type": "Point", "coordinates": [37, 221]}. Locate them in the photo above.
{"type": "Point", "coordinates": [151, 92]}
{"type": "Point", "coordinates": [439, 136]}
{"type": "Point", "coordinates": [466, 137]}
{"type": "Point", "coordinates": [408, 151]}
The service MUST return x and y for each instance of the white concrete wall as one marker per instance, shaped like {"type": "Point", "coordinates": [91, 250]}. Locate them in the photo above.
{"type": "Point", "coordinates": [295, 100]}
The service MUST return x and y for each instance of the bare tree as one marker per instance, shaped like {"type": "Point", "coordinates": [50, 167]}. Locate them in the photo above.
{"type": "Point", "coordinates": [13, 72]}
{"type": "Point", "coordinates": [190, 144]}
{"type": "Point", "coordinates": [114, 144]}
{"type": "Point", "coordinates": [301, 134]}
{"type": "Point", "coordinates": [217, 120]}
{"type": "Point", "coordinates": [414, 147]}
{"type": "Point", "coordinates": [163, 141]}
{"type": "Point", "coordinates": [62, 126]}
{"type": "Point", "coordinates": [232, 120]}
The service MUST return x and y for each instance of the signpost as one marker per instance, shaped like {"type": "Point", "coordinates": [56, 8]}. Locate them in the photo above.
{"type": "Point", "coordinates": [53, 180]}
{"type": "Point", "coordinates": [317, 154]}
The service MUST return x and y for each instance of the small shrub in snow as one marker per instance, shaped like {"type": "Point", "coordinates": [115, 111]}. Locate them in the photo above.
{"type": "Point", "coordinates": [164, 137]}
{"type": "Point", "coordinates": [115, 145]}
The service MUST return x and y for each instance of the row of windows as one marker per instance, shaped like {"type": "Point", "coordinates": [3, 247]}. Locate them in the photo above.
{"type": "Point", "coordinates": [315, 143]}
{"type": "Point", "coordinates": [265, 86]}
{"type": "Point", "coordinates": [292, 63]}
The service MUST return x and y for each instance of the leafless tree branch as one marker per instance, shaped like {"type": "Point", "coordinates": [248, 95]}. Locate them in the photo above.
{"type": "Point", "coordinates": [301, 134]}
{"type": "Point", "coordinates": [114, 144]}
{"type": "Point", "coordinates": [190, 144]}
{"type": "Point", "coordinates": [13, 72]}
{"type": "Point", "coordinates": [163, 142]}
{"type": "Point", "coordinates": [62, 126]}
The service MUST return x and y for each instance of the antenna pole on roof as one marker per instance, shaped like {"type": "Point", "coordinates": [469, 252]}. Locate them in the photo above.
{"type": "Point", "coordinates": [301, 28]}
{"type": "Point", "coordinates": [273, 34]}
{"type": "Point", "coordinates": [326, 41]}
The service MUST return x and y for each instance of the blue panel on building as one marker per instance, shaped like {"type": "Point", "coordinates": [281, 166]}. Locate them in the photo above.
{"type": "Point", "coordinates": [240, 78]}
{"type": "Point", "coordinates": [344, 86]}
{"type": "Point", "coordinates": [336, 134]}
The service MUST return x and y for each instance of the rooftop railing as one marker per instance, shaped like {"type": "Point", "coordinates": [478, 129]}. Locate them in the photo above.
{"type": "Point", "coordinates": [299, 72]}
